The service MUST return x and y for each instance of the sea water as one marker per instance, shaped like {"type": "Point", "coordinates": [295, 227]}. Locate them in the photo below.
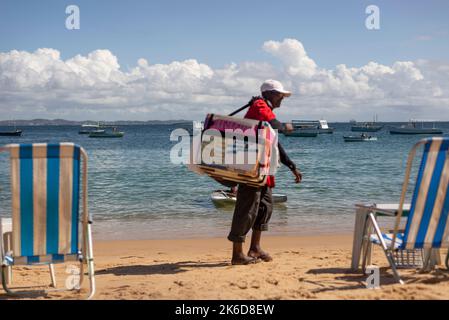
{"type": "Point", "coordinates": [135, 192]}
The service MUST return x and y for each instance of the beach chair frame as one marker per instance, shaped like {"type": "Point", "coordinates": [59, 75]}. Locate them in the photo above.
{"type": "Point", "coordinates": [86, 259]}
{"type": "Point", "coordinates": [372, 224]}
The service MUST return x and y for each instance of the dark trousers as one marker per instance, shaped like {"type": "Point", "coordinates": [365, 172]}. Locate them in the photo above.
{"type": "Point", "coordinates": [252, 210]}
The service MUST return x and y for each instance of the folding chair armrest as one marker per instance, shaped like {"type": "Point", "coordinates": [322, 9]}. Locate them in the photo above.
{"type": "Point", "coordinates": [374, 209]}
{"type": "Point", "coordinates": [385, 209]}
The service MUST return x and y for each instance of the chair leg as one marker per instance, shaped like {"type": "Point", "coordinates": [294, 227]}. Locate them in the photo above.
{"type": "Point", "coordinates": [370, 252]}
{"type": "Point", "coordinates": [81, 272]}
{"type": "Point", "coordinates": [426, 265]}
{"type": "Point", "coordinates": [431, 259]}
{"type": "Point", "coordinates": [447, 259]}
{"type": "Point", "coordinates": [367, 244]}
{"type": "Point", "coordinates": [52, 275]}
{"type": "Point", "coordinates": [91, 272]}
{"type": "Point", "coordinates": [386, 250]}
{"type": "Point", "coordinates": [390, 259]}
{"type": "Point", "coordinates": [361, 218]}
{"type": "Point", "coordinates": [16, 293]}
{"type": "Point", "coordinates": [366, 252]}
{"type": "Point", "coordinates": [4, 280]}
{"type": "Point", "coordinates": [8, 274]}
{"type": "Point", "coordinates": [90, 262]}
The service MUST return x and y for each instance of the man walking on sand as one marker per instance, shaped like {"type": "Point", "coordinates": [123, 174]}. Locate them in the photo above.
{"type": "Point", "coordinates": [255, 204]}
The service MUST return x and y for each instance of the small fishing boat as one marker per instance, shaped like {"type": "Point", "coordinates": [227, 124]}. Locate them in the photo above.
{"type": "Point", "coordinates": [13, 133]}
{"type": "Point", "coordinates": [222, 197]}
{"type": "Point", "coordinates": [413, 128]}
{"type": "Point", "coordinates": [361, 138]}
{"type": "Point", "coordinates": [106, 134]}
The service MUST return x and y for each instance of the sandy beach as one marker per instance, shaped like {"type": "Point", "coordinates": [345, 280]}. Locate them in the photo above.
{"type": "Point", "coordinates": [315, 267]}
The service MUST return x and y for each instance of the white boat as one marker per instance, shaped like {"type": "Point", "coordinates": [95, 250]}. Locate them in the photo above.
{"type": "Point", "coordinates": [361, 138]}
{"type": "Point", "coordinates": [324, 127]}
{"type": "Point", "coordinates": [321, 125]}
{"type": "Point", "coordinates": [414, 128]}
{"type": "Point", "coordinates": [223, 197]}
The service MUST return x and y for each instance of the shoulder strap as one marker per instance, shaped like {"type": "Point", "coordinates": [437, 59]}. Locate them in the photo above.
{"type": "Point", "coordinates": [245, 106]}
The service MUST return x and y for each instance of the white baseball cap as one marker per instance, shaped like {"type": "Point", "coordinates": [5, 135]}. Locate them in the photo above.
{"type": "Point", "coordinates": [274, 85]}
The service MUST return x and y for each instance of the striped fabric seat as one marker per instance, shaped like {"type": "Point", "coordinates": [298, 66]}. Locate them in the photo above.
{"type": "Point", "coordinates": [427, 225]}
{"type": "Point", "coordinates": [388, 238]}
{"type": "Point", "coordinates": [45, 181]}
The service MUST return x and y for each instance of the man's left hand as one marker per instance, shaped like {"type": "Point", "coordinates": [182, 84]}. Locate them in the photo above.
{"type": "Point", "coordinates": [298, 176]}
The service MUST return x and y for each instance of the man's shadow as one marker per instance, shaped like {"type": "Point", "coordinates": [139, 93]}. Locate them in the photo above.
{"type": "Point", "coordinates": [163, 268]}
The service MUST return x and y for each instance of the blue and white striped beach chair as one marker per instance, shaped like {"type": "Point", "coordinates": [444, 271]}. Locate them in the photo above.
{"type": "Point", "coordinates": [427, 225]}
{"type": "Point", "coordinates": [45, 190]}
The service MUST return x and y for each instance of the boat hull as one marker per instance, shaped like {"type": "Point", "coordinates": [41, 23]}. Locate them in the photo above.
{"type": "Point", "coordinates": [106, 135]}
{"type": "Point", "coordinates": [302, 133]}
{"type": "Point", "coordinates": [16, 133]}
{"type": "Point", "coordinates": [90, 131]}
{"type": "Point", "coordinates": [415, 131]}
{"type": "Point", "coordinates": [358, 139]}
{"type": "Point", "coordinates": [366, 129]}
{"type": "Point", "coordinates": [326, 131]}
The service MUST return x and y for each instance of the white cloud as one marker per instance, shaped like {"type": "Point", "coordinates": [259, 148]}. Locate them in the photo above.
{"type": "Point", "coordinates": [41, 84]}
{"type": "Point", "coordinates": [292, 54]}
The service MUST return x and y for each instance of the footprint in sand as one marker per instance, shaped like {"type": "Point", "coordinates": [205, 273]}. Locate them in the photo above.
{"type": "Point", "coordinates": [241, 285]}
{"type": "Point", "coordinates": [179, 283]}
{"type": "Point", "coordinates": [122, 287]}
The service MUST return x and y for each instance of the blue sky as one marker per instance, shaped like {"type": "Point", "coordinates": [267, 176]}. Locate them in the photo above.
{"type": "Point", "coordinates": [219, 32]}
{"type": "Point", "coordinates": [142, 60]}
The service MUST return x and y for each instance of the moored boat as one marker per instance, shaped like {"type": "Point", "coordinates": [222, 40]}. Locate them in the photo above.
{"type": "Point", "coordinates": [321, 125]}
{"type": "Point", "coordinates": [13, 133]}
{"type": "Point", "coordinates": [413, 128]}
{"type": "Point", "coordinates": [366, 127]}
